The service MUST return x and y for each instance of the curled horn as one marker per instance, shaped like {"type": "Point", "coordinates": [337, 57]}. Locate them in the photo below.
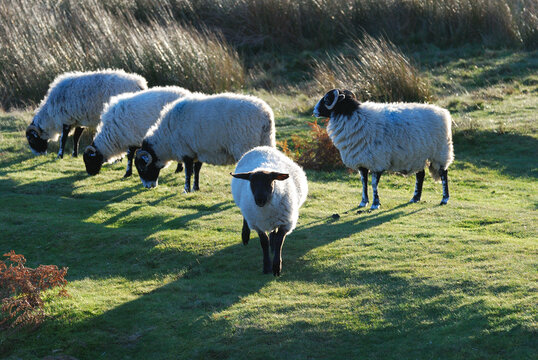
{"type": "Point", "coordinates": [336, 93]}
{"type": "Point", "coordinates": [144, 155]}
{"type": "Point", "coordinates": [90, 148]}
{"type": "Point", "coordinates": [34, 128]}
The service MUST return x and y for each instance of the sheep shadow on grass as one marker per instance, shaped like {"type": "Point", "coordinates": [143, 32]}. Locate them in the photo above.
{"type": "Point", "coordinates": [511, 154]}
{"type": "Point", "coordinates": [206, 311]}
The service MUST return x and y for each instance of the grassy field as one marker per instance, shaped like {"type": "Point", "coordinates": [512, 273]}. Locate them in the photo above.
{"type": "Point", "coordinates": [160, 274]}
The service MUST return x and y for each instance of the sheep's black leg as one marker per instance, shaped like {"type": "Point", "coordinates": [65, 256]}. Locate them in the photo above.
{"type": "Point", "coordinates": [197, 167]}
{"type": "Point", "coordinates": [179, 167]}
{"type": "Point", "coordinates": [63, 140]}
{"type": "Point", "coordinates": [364, 179]}
{"type": "Point", "coordinates": [444, 180]}
{"type": "Point", "coordinates": [264, 241]}
{"type": "Point", "coordinates": [418, 186]}
{"type": "Point", "coordinates": [277, 258]}
{"type": "Point", "coordinates": [188, 172]}
{"type": "Point", "coordinates": [76, 138]}
{"type": "Point", "coordinates": [130, 155]}
{"type": "Point", "coordinates": [272, 240]}
{"type": "Point", "coordinates": [375, 181]}
{"type": "Point", "coordinates": [245, 233]}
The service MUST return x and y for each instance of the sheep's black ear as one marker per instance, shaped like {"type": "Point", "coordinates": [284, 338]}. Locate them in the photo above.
{"type": "Point", "coordinates": [350, 94]}
{"type": "Point", "coordinates": [244, 176]}
{"type": "Point", "coordinates": [279, 176]}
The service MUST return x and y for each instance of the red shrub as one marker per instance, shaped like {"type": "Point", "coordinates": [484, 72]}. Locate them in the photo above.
{"type": "Point", "coordinates": [21, 288]}
{"type": "Point", "coordinates": [316, 153]}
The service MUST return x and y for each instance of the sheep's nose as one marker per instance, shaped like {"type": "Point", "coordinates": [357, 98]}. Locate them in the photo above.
{"type": "Point", "coordinates": [260, 202]}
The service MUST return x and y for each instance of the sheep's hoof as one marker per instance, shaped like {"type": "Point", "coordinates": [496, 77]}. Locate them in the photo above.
{"type": "Point", "coordinates": [186, 190]}
{"type": "Point", "coordinates": [195, 188]}
{"type": "Point", "coordinates": [375, 207]}
{"type": "Point", "coordinates": [277, 268]}
{"type": "Point", "coordinates": [60, 156]}
{"type": "Point", "coordinates": [74, 154]}
{"type": "Point", "coordinates": [267, 269]}
{"type": "Point", "coordinates": [128, 173]}
{"type": "Point", "coordinates": [414, 200]}
{"type": "Point", "coordinates": [363, 204]}
{"type": "Point", "coordinates": [444, 201]}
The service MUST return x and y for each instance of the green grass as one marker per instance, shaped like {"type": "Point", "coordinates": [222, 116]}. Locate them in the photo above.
{"type": "Point", "coordinates": [160, 274]}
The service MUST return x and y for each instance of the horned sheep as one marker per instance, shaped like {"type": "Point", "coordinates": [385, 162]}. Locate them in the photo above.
{"type": "Point", "coordinates": [395, 137]}
{"type": "Point", "coordinates": [215, 129]}
{"type": "Point", "coordinates": [269, 199]}
{"type": "Point", "coordinates": [76, 99]}
{"type": "Point", "coordinates": [124, 123]}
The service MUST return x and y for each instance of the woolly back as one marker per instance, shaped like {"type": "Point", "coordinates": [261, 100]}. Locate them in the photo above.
{"type": "Point", "coordinates": [127, 118]}
{"type": "Point", "coordinates": [393, 137]}
{"type": "Point", "coordinates": [218, 129]}
{"type": "Point", "coordinates": [79, 97]}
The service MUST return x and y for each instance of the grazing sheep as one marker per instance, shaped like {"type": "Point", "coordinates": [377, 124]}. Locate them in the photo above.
{"type": "Point", "coordinates": [396, 137]}
{"type": "Point", "coordinates": [216, 129]}
{"type": "Point", "coordinates": [76, 99]}
{"type": "Point", "coordinates": [268, 205]}
{"type": "Point", "coordinates": [124, 123]}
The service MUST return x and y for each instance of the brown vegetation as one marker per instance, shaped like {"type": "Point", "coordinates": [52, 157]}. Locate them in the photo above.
{"type": "Point", "coordinates": [316, 152]}
{"type": "Point", "coordinates": [21, 290]}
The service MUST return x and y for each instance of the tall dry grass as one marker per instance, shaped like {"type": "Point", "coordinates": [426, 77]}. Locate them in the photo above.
{"type": "Point", "coordinates": [43, 38]}
{"type": "Point", "coordinates": [269, 24]}
{"type": "Point", "coordinates": [374, 69]}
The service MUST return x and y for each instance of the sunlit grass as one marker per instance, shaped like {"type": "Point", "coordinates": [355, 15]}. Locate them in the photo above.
{"type": "Point", "coordinates": [161, 274]}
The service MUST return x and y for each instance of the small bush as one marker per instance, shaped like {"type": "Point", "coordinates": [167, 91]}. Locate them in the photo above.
{"type": "Point", "coordinates": [21, 290]}
{"type": "Point", "coordinates": [374, 69]}
{"type": "Point", "coordinates": [315, 153]}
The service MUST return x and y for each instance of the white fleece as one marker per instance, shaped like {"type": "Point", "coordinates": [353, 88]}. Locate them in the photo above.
{"type": "Point", "coordinates": [396, 137]}
{"type": "Point", "coordinates": [288, 195]}
{"type": "Point", "coordinates": [127, 118]}
{"type": "Point", "coordinates": [78, 98]}
{"type": "Point", "coordinates": [214, 129]}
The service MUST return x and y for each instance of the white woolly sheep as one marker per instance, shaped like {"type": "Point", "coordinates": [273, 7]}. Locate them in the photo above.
{"type": "Point", "coordinates": [215, 129]}
{"type": "Point", "coordinates": [268, 205]}
{"type": "Point", "coordinates": [395, 137]}
{"type": "Point", "coordinates": [76, 99]}
{"type": "Point", "coordinates": [124, 122]}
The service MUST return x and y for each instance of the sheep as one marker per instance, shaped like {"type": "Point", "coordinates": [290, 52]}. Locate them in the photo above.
{"type": "Point", "coordinates": [215, 129]}
{"type": "Point", "coordinates": [124, 123]}
{"type": "Point", "coordinates": [269, 202]}
{"type": "Point", "coordinates": [396, 137]}
{"type": "Point", "coordinates": [76, 99]}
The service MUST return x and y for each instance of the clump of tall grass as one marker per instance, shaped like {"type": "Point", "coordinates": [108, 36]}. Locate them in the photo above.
{"type": "Point", "coordinates": [270, 24]}
{"type": "Point", "coordinates": [374, 69]}
{"type": "Point", "coordinates": [43, 38]}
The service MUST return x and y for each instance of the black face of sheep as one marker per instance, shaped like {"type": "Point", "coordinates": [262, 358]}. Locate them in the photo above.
{"type": "Point", "coordinates": [146, 164]}
{"type": "Point", "coordinates": [336, 101]}
{"type": "Point", "coordinates": [93, 159]}
{"type": "Point", "coordinates": [37, 144]}
{"type": "Point", "coordinates": [261, 184]}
